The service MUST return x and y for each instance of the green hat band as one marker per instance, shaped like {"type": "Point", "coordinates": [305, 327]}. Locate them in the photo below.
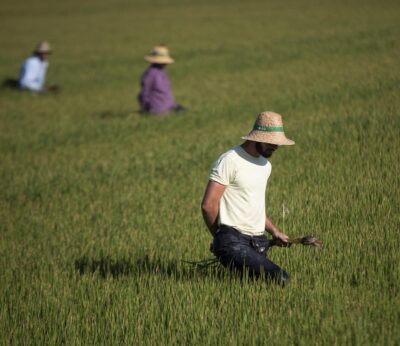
{"type": "Point", "coordinates": [160, 55]}
{"type": "Point", "coordinates": [268, 128]}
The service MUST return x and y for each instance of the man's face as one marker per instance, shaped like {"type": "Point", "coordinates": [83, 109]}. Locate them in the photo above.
{"type": "Point", "coordinates": [44, 56]}
{"type": "Point", "coordinates": [266, 149]}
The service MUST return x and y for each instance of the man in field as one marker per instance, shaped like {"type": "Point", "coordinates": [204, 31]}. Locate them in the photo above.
{"type": "Point", "coordinates": [233, 206]}
{"type": "Point", "coordinates": [33, 72]}
{"type": "Point", "coordinates": [156, 96]}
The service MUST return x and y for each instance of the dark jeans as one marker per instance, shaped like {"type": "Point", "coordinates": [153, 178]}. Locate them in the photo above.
{"type": "Point", "coordinates": [240, 252]}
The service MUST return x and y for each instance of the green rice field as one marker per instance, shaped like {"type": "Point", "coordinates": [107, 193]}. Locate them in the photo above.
{"type": "Point", "coordinates": [100, 206]}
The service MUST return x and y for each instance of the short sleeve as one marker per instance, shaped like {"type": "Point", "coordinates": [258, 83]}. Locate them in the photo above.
{"type": "Point", "coordinates": [223, 171]}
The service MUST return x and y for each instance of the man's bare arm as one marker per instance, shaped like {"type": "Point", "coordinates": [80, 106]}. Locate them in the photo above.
{"type": "Point", "coordinates": [210, 205]}
{"type": "Point", "coordinates": [271, 229]}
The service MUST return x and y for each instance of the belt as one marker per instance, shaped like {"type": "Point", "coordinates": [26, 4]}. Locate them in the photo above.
{"type": "Point", "coordinates": [246, 236]}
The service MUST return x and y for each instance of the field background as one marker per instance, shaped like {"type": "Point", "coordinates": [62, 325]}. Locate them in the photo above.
{"type": "Point", "coordinates": [99, 206]}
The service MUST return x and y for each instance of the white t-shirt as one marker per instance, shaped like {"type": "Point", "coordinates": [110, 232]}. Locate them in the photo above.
{"type": "Point", "coordinates": [33, 74]}
{"type": "Point", "coordinates": [242, 205]}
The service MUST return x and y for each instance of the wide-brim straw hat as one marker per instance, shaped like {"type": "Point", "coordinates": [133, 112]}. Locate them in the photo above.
{"type": "Point", "coordinates": [159, 55]}
{"type": "Point", "coordinates": [268, 128]}
{"type": "Point", "coordinates": [43, 47]}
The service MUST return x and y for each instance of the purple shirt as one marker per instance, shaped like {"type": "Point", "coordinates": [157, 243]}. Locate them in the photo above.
{"type": "Point", "coordinates": [156, 95]}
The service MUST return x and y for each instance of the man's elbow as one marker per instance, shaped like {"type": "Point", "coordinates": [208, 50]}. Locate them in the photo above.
{"type": "Point", "coordinates": [207, 207]}
{"type": "Point", "coordinates": [203, 207]}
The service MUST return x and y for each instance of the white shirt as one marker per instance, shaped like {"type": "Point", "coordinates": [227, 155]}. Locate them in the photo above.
{"type": "Point", "coordinates": [33, 74]}
{"type": "Point", "coordinates": [242, 205]}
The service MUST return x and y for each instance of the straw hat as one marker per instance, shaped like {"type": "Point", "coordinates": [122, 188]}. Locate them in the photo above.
{"type": "Point", "coordinates": [159, 55]}
{"type": "Point", "coordinates": [268, 128]}
{"type": "Point", "coordinates": [43, 47]}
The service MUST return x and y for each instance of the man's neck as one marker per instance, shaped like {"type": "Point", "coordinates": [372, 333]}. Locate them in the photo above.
{"type": "Point", "coordinates": [158, 66]}
{"type": "Point", "coordinates": [39, 56]}
{"type": "Point", "coordinates": [250, 148]}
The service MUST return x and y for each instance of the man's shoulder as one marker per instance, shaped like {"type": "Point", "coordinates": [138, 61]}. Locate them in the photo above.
{"type": "Point", "coordinates": [224, 168]}
{"type": "Point", "coordinates": [229, 158]}
{"type": "Point", "coordinates": [150, 73]}
{"type": "Point", "coordinates": [153, 71]}
{"type": "Point", "coordinates": [32, 60]}
{"type": "Point", "coordinates": [230, 155]}
{"type": "Point", "coordinates": [238, 158]}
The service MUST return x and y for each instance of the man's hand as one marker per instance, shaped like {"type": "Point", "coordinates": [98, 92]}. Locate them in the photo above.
{"type": "Point", "coordinates": [281, 236]}
{"type": "Point", "coordinates": [280, 239]}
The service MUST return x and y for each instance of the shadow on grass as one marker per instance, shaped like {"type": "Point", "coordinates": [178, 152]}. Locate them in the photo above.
{"type": "Point", "coordinates": [10, 83]}
{"type": "Point", "coordinates": [106, 266]}
{"type": "Point", "coordinates": [109, 114]}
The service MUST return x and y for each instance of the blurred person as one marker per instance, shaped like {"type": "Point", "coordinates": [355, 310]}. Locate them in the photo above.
{"type": "Point", "coordinates": [33, 71]}
{"type": "Point", "coordinates": [156, 95]}
{"type": "Point", "coordinates": [233, 205]}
